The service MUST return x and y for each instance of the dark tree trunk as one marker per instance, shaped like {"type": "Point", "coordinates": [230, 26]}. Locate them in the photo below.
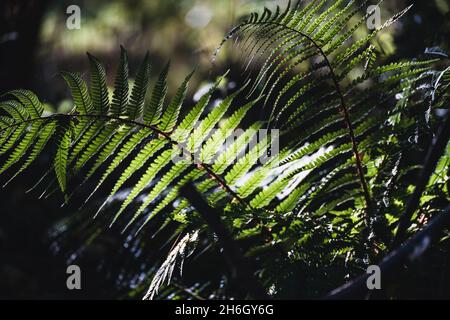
{"type": "Point", "coordinates": [20, 22]}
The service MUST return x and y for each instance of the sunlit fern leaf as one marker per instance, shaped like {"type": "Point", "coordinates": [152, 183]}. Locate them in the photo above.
{"type": "Point", "coordinates": [30, 101]}
{"type": "Point", "coordinates": [138, 162]}
{"type": "Point", "coordinates": [85, 137]}
{"type": "Point", "coordinates": [175, 171]}
{"type": "Point", "coordinates": [207, 125]}
{"type": "Point", "coordinates": [7, 125]}
{"type": "Point", "coordinates": [184, 129]}
{"type": "Point", "coordinates": [96, 144]}
{"type": "Point", "coordinates": [304, 65]}
{"type": "Point", "coordinates": [227, 130]}
{"type": "Point", "coordinates": [303, 23]}
{"type": "Point", "coordinates": [23, 146]}
{"type": "Point", "coordinates": [60, 161]}
{"type": "Point", "coordinates": [98, 89]}
{"type": "Point", "coordinates": [5, 122]}
{"type": "Point", "coordinates": [124, 151]}
{"type": "Point", "coordinates": [212, 144]}
{"type": "Point", "coordinates": [327, 95]}
{"type": "Point", "coordinates": [109, 148]}
{"type": "Point", "coordinates": [139, 91]}
{"type": "Point", "coordinates": [170, 115]}
{"type": "Point", "coordinates": [181, 166]}
{"type": "Point", "coordinates": [12, 136]}
{"type": "Point", "coordinates": [153, 108]}
{"type": "Point", "coordinates": [158, 164]}
{"type": "Point", "coordinates": [120, 96]}
{"type": "Point", "coordinates": [261, 175]}
{"type": "Point", "coordinates": [15, 110]}
{"type": "Point", "coordinates": [171, 196]}
{"type": "Point", "coordinates": [44, 136]}
{"type": "Point", "coordinates": [225, 160]}
{"type": "Point", "coordinates": [80, 93]}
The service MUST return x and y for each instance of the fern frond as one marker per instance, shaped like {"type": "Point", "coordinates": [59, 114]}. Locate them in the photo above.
{"type": "Point", "coordinates": [30, 101]}
{"type": "Point", "coordinates": [153, 109]}
{"type": "Point", "coordinates": [80, 93]}
{"type": "Point", "coordinates": [142, 157]}
{"type": "Point", "coordinates": [109, 148]}
{"type": "Point", "coordinates": [328, 96]}
{"type": "Point", "coordinates": [12, 135]}
{"type": "Point", "coordinates": [176, 171]}
{"type": "Point", "coordinates": [170, 115]}
{"type": "Point", "coordinates": [42, 140]}
{"type": "Point", "coordinates": [228, 127]}
{"type": "Point", "coordinates": [123, 153]}
{"type": "Point", "coordinates": [186, 126]}
{"type": "Point", "coordinates": [121, 88]}
{"type": "Point", "coordinates": [201, 133]}
{"type": "Point", "coordinates": [60, 161]}
{"type": "Point", "coordinates": [98, 89]}
{"type": "Point", "coordinates": [17, 112]}
{"type": "Point", "coordinates": [158, 164]}
{"type": "Point", "coordinates": [96, 144]}
{"type": "Point", "coordinates": [23, 146]}
{"type": "Point", "coordinates": [139, 91]}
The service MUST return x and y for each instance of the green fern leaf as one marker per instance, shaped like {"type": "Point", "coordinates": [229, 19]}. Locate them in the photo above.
{"type": "Point", "coordinates": [148, 151]}
{"type": "Point", "coordinates": [79, 91]}
{"type": "Point", "coordinates": [60, 161]}
{"type": "Point", "coordinates": [160, 162]}
{"type": "Point", "coordinates": [109, 148]}
{"type": "Point", "coordinates": [23, 145]}
{"type": "Point", "coordinates": [170, 115]}
{"type": "Point", "coordinates": [15, 110]}
{"type": "Point", "coordinates": [99, 90]}
{"type": "Point", "coordinates": [123, 153]}
{"type": "Point", "coordinates": [153, 109]}
{"type": "Point", "coordinates": [174, 172]}
{"type": "Point", "coordinates": [30, 101]}
{"type": "Point", "coordinates": [44, 136]}
{"type": "Point", "coordinates": [13, 136]}
{"type": "Point", "coordinates": [120, 96]}
{"type": "Point", "coordinates": [139, 91]}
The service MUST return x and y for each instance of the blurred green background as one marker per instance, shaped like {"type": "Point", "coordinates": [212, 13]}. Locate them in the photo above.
{"type": "Point", "coordinates": [185, 31]}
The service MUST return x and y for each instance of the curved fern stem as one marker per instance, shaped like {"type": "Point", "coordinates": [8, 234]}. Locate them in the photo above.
{"type": "Point", "coordinates": [344, 109]}
{"type": "Point", "coordinates": [166, 135]}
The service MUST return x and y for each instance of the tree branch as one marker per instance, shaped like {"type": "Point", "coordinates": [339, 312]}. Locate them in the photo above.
{"type": "Point", "coordinates": [407, 253]}
{"type": "Point", "coordinates": [241, 271]}
{"type": "Point", "coordinates": [434, 154]}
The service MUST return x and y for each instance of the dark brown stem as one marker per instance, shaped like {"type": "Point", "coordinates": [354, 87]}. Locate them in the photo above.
{"type": "Point", "coordinates": [344, 109]}
{"type": "Point", "coordinates": [166, 135]}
